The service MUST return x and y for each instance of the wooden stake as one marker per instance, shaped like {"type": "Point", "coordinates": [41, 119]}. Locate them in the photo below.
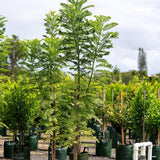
{"type": "Point", "coordinates": [143, 128]}
{"type": "Point", "coordinates": [122, 133]}
{"type": "Point", "coordinates": [103, 118]}
{"type": "Point", "coordinates": [158, 138]}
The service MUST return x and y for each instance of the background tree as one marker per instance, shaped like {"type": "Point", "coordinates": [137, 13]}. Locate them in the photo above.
{"type": "Point", "coordinates": [16, 53]}
{"type": "Point", "coordinates": [142, 63]}
{"type": "Point", "coordinates": [4, 45]}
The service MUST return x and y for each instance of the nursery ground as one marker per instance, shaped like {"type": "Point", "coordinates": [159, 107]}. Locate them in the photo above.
{"type": "Point", "coordinates": [42, 152]}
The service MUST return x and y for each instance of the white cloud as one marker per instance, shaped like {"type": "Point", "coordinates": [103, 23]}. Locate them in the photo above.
{"type": "Point", "coordinates": [139, 26]}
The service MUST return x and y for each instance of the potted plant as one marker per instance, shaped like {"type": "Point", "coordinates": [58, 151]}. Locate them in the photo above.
{"type": "Point", "coordinates": [19, 108]}
{"type": "Point", "coordinates": [104, 143]}
{"type": "Point", "coordinates": [119, 114]}
{"type": "Point", "coordinates": [152, 120]}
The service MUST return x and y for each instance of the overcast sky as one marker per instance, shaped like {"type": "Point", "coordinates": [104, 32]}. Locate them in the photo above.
{"type": "Point", "coordinates": [139, 26]}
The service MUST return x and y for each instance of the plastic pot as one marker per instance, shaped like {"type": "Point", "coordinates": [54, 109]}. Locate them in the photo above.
{"type": "Point", "coordinates": [21, 152]}
{"type": "Point", "coordinates": [81, 156]}
{"type": "Point", "coordinates": [61, 153]}
{"type": "Point", "coordinates": [124, 152]}
{"type": "Point", "coordinates": [35, 131]}
{"type": "Point", "coordinates": [103, 148]}
{"type": "Point", "coordinates": [8, 149]}
{"type": "Point", "coordinates": [156, 152]}
{"type": "Point", "coordinates": [3, 131]}
{"type": "Point", "coordinates": [33, 142]}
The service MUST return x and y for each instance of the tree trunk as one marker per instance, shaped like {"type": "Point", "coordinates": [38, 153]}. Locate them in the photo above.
{"type": "Point", "coordinates": [143, 131]}
{"type": "Point", "coordinates": [76, 144]}
{"type": "Point", "coordinates": [158, 138]}
{"type": "Point", "coordinates": [14, 137]}
{"type": "Point", "coordinates": [13, 63]}
{"type": "Point", "coordinates": [54, 136]}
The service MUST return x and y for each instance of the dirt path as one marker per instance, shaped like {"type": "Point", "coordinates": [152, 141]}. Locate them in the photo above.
{"type": "Point", "coordinates": [42, 152]}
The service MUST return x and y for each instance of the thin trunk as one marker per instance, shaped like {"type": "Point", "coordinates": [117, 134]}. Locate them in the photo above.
{"type": "Point", "coordinates": [158, 143]}
{"type": "Point", "coordinates": [14, 137]}
{"type": "Point", "coordinates": [122, 133]}
{"type": "Point", "coordinates": [103, 118]}
{"type": "Point", "coordinates": [143, 128]}
{"type": "Point", "coordinates": [76, 144]}
{"type": "Point", "coordinates": [91, 75]}
{"type": "Point", "coordinates": [13, 62]}
{"type": "Point", "coordinates": [54, 136]}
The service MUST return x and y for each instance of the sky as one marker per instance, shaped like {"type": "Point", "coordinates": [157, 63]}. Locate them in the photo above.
{"type": "Point", "coordinates": [138, 26]}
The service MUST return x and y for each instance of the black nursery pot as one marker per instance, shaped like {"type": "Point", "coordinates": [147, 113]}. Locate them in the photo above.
{"type": "Point", "coordinates": [81, 156]}
{"type": "Point", "coordinates": [61, 153]}
{"type": "Point", "coordinates": [103, 148]}
{"type": "Point", "coordinates": [3, 131]}
{"type": "Point", "coordinates": [156, 152]}
{"type": "Point", "coordinates": [21, 152]}
{"type": "Point", "coordinates": [124, 152]}
{"type": "Point", "coordinates": [8, 149]}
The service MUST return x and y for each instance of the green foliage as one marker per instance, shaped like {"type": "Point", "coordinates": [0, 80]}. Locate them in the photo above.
{"type": "Point", "coordinates": [17, 53]}
{"type": "Point", "coordinates": [76, 32]}
{"type": "Point", "coordinates": [32, 50]}
{"type": "Point", "coordinates": [153, 116]}
{"type": "Point", "coordinates": [4, 45]}
{"type": "Point", "coordinates": [144, 99]}
{"type": "Point", "coordinates": [20, 105]}
{"type": "Point", "coordinates": [2, 24]}
{"type": "Point", "coordinates": [116, 110]}
{"type": "Point", "coordinates": [60, 113]}
{"type": "Point", "coordinates": [4, 52]}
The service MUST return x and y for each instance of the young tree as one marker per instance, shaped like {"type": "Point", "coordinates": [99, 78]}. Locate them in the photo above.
{"type": "Point", "coordinates": [44, 63]}
{"type": "Point", "coordinates": [84, 43]}
{"type": "Point", "coordinates": [19, 107]}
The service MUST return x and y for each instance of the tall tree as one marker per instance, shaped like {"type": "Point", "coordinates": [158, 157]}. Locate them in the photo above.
{"type": "Point", "coordinates": [44, 62]}
{"type": "Point", "coordinates": [84, 43]}
{"type": "Point", "coordinates": [76, 31]}
{"type": "Point", "coordinates": [142, 63]}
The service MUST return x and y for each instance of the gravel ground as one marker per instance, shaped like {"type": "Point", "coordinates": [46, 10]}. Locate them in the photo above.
{"type": "Point", "coordinates": [42, 152]}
